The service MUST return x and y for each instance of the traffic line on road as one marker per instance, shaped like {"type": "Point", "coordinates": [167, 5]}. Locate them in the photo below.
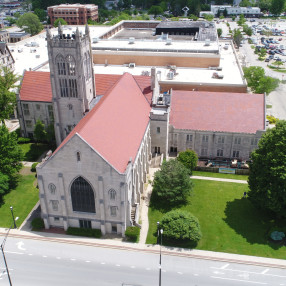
{"type": "Point", "coordinates": [58, 257]}
{"type": "Point", "coordinates": [87, 261]}
{"type": "Point", "coordinates": [102, 263]}
{"type": "Point", "coordinates": [73, 259]}
{"type": "Point", "coordinates": [180, 273]}
{"type": "Point", "coordinates": [232, 279]}
{"type": "Point", "coordinates": [118, 265]}
{"type": "Point", "coordinates": [224, 266]}
{"type": "Point", "coordinates": [45, 256]}
{"type": "Point", "coordinates": [13, 252]}
{"type": "Point", "coordinates": [264, 271]}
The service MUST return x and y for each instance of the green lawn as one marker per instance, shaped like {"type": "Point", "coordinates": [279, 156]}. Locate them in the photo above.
{"type": "Point", "coordinates": [220, 175]}
{"type": "Point", "coordinates": [33, 151]}
{"type": "Point", "coordinates": [229, 223]}
{"type": "Point", "coordinates": [23, 199]}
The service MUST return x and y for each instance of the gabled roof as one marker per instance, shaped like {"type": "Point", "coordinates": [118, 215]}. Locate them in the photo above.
{"type": "Point", "coordinates": [116, 125]}
{"type": "Point", "coordinates": [217, 111]}
{"type": "Point", "coordinates": [36, 85]}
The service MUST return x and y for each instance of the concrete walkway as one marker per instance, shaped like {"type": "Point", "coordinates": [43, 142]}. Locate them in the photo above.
{"type": "Point", "coordinates": [219, 179]}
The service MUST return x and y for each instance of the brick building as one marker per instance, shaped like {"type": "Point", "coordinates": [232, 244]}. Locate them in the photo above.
{"type": "Point", "coordinates": [73, 14]}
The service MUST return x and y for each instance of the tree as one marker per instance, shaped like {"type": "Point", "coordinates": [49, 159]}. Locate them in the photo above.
{"type": "Point", "coordinates": [258, 81]}
{"type": "Point", "coordinates": [42, 15]}
{"type": "Point", "coordinates": [189, 159]}
{"type": "Point", "coordinates": [247, 30]}
{"type": "Point", "coordinates": [50, 133]}
{"type": "Point", "coordinates": [181, 225]}
{"type": "Point", "coordinates": [172, 185]}
{"type": "Point", "coordinates": [4, 186]}
{"type": "Point", "coordinates": [237, 37]}
{"type": "Point", "coordinates": [40, 133]}
{"type": "Point", "coordinates": [11, 20]}
{"type": "Point", "coordinates": [155, 10]}
{"type": "Point", "coordinates": [264, 5]}
{"type": "Point", "coordinates": [278, 64]}
{"type": "Point", "coordinates": [219, 32]}
{"type": "Point", "coordinates": [241, 21]}
{"type": "Point", "coordinates": [60, 20]}
{"type": "Point", "coordinates": [7, 97]}
{"type": "Point", "coordinates": [10, 153]}
{"type": "Point", "coordinates": [267, 180]}
{"type": "Point", "coordinates": [208, 17]}
{"type": "Point", "coordinates": [30, 23]}
{"type": "Point", "coordinates": [225, 13]}
{"type": "Point", "coordinates": [277, 7]}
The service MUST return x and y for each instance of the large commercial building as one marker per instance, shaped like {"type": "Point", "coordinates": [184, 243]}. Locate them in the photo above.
{"type": "Point", "coordinates": [73, 14]}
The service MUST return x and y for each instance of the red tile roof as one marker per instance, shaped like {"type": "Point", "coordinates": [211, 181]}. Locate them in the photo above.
{"type": "Point", "coordinates": [116, 125]}
{"type": "Point", "coordinates": [36, 86]}
{"type": "Point", "coordinates": [217, 111]}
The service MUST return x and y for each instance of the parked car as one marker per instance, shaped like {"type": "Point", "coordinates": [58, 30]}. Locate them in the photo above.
{"type": "Point", "coordinates": [267, 60]}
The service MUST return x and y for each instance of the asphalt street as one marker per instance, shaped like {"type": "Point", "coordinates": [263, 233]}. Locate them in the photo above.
{"type": "Point", "coordinates": [33, 262]}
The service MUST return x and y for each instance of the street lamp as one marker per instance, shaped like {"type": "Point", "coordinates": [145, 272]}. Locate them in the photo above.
{"type": "Point", "coordinates": [2, 249]}
{"type": "Point", "coordinates": [159, 234]}
{"type": "Point", "coordinates": [11, 208]}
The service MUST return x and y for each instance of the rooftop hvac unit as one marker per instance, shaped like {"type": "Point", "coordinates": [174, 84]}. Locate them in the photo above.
{"type": "Point", "coordinates": [207, 42]}
{"type": "Point", "coordinates": [95, 40]}
{"type": "Point", "coordinates": [169, 42]}
{"type": "Point", "coordinates": [131, 40]}
{"type": "Point", "coordinates": [170, 75]}
{"type": "Point", "coordinates": [132, 65]}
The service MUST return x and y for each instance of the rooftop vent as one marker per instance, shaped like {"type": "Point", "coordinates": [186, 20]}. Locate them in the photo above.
{"type": "Point", "coordinates": [132, 65]}
{"type": "Point", "coordinates": [170, 75]}
{"type": "Point", "coordinates": [169, 42]}
{"type": "Point", "coordinates": [95, 40]}
{"type": "Point", "coordinates": [131, 40]}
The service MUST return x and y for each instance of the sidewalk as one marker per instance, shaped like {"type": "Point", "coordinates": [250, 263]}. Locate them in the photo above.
{"type": "Point", "coordinates": [219, 179]}
{"type": "Point", "coordinates": [115, 244]}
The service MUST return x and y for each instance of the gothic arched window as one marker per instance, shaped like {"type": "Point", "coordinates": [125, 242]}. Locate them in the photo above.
{"type": "Point", "coordinates": [82, 196]}
{"type": "Point", "coordinates": [112, 194]}
{"type": "Point", "coordinates": [70, 65]}
{"type": "Point", "coordinates": [60, 62]}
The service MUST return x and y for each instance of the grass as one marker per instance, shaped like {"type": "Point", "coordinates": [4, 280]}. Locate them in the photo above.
{"type": "Point", "coordinates": [33, 151]}
{"type": "Point", "coordinates": [268, 106]}
{"type": "Point", "coordinates": [220, 175]}
{"type": "Point", "coordinates": [23, 199]}
{"type": "Point", "coordinates": [229, 223]}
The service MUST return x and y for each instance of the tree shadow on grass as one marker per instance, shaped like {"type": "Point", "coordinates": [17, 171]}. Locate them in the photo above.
{"type": "Point", "coordinates": [36, 150]}
{"type": "Point", "coordinates": [251, 223]}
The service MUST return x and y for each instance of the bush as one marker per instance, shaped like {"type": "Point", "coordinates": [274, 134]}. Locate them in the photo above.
{"type": "Point", "coordinates": [89, 232]}
{"type": "Point", "coordinates": [33, 168]}
{"type": "Point", "coordinates": [132, 233]}
{"type": "Point", "coordinates": [181, 225]}
{"type": "Point", "coordinates": [23, 140]}
{"type": "Point", "coordinates": [272, 119]}
{"type": "Point", "coordinates": [189, 159]}
{"type": "Point", "coordinates": [37, 224]}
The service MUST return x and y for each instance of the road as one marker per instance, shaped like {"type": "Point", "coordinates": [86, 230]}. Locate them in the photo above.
{"type": "Point", "coordinates": [33, 262]}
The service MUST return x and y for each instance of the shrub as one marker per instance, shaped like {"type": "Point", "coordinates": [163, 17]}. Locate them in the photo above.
{"type": "Point", "coordinates": [132, 233]}
{"type": "Point", "coordinates": [272, 119]}
{"type": "Point", "coordinates": [89, 232]}
{"type": "Point", "coordinates": [189, 159]}
{"type": "Point", "coordinates": [33, 168]}
{"type": "Point", "coordinates": [23, 140]}
{"type": "Point", "coordinates": [37, 224]}
{"type": "Point", "coordinates": [181, 225]}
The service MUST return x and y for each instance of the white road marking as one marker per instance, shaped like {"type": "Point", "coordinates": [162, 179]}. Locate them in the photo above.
{"type": "Point", "coordinates": [45, 256]}
{"type": "Point", "coordinates": [73, 259]}
{"type": "Point", "coordinates": [148, 268]}
{"type": "Point", "coordinates": [264, 271]}
{"type": "Point", "coordinates": [164, 271]}
{"type": "Point", "coordinates": [20, 245]}
{"type": "Point", "coordinates": [58, 258]}
{"type": "Point", "coordinates": [250, 272]}
{"type": "Point", "coordinates": [218, 272]}
{"type": "Point", "coordinates": [102, 263]}
{"type": "Point", "coordinates": [225, 266]}
{"type": "Point", "coordinates": [132, 266]}
{"type": "Point", "coordinates": [180, 273]}
{"type": "Point", "coordinates": [118, 265]}
{"type": "Point", "coordinates": [30, 254]}
{"type": "Point", "coordinates": [223, 278]}
{"type": "Point", "coordinates": [13, 252]}
{"type": "Point", "coordinates": [87, 261]}
{"type": "Point", "coordinates": [196, 274]}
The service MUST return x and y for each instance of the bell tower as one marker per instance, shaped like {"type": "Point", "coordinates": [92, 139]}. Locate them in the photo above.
{"type": "Point", "coordinates": [72, 78]}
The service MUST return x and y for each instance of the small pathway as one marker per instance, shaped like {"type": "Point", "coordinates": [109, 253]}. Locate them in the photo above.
{"type": "Point", "coordinates": [145, 207]}
{"type": "Point", "coordinates": [219, 179]}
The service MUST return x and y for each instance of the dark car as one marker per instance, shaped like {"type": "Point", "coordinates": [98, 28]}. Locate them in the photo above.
{"type": "Point", "coordinates": [267, 59]}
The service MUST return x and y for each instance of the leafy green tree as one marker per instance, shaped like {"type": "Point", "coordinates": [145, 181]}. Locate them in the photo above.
{"type": "Point", "coordinates": [50, 133]}
{"type": "Point", "coordinates": [40, 134]}
{"type": "Point", "coordinates": [7, 97]}
{"type": "Point", "coordinates": [237, 37]}
{"type": "Point", "coordinates": [11, 20]}
{"type": "Point", "coordinates": [247, 30]}
{"type": "Point", "coordinates": [219, 32]}
{"type": "Point", "coordinates": [278, 64]}
{"type": "Point", "coordinates": [60, 20]}
{"type": "Point", "coordinates": [193, 17]}
{"type": "Point", "coordinates": [241, 21]}
{"type": "Point", "coordinates": [155, 10]}
{"type": "Point", "coordinates": [171, 185]}
{"type": "Point", "coordinates": [41, 14]}
{"type": "Point", "coordinates": [245, 3]}
{"type": "Point", "coordinates": [30, 23]}
{"type": "Point", "coordinates": [4, 186]}
{"type": "Point", "coordinates": [17, 15]}
{"type": "Point", "coordinates": [225, 13]}
{"type": "Point", "coordinates": [258, 81]}
{"type": "Point", "coordinates": [181, 225]}
{"type": "Point", "coordinates": [189, 159]}
{"type": "Point", "coordinates": [264, 5]}
{"type": "Point", "coordinates": [10, 153]}
{"type": "Point", "coordinates": [267, 180]}
{"type": "Point", "coordinates": [277, 6]}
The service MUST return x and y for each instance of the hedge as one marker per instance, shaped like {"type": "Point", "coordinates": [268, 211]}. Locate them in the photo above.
{"type": "Point", "coordinates": [132, 233]}
{"type": "Point", "coordinates": [23, 140]}
{"type": "Point", "coordinates": [34, 165]}
{"type": "Point", "coordinates": [37, 224]}
{"type": "Point", "coordinates": [88, 232]}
